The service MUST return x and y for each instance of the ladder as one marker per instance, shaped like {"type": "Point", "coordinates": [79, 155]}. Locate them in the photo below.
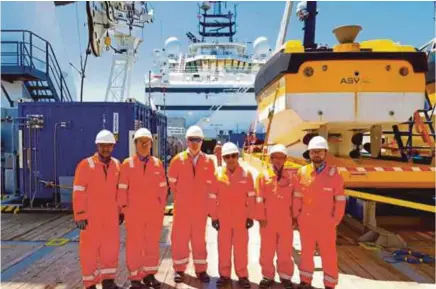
{"type": "Point", "coordinates": [419, 125]}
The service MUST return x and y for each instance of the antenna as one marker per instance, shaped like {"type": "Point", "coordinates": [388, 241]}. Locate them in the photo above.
{"type": "Point", "coordinates": [218, 23]}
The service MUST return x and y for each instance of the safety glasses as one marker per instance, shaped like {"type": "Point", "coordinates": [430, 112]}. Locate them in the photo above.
{"type": "Point", "coordinates": [232, 156]}
{"type": "Point", "coordinates": [194, 139]}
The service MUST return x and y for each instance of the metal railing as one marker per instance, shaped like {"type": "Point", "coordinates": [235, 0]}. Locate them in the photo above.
{"type": "Point", "coordinates": [190, 75]}
{"type": "Point", "coordinates": [217, 70]}
{"type": "Point", "coordinates": [26, 49]}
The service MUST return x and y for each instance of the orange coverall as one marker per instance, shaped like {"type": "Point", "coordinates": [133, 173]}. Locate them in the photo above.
{"type": "Point", "coordinates": [232, 203]}
{"type": "Point", "coordinates": [95, 200]}
{"type": "Point", "coordinates": [190, 185]}
{"type": "Point", "coordinates": [142, 195]}
{"type": "Point", "coordinates": [273, 204]}
{"type": "Point", "coordinates": [218, 153]}
{"type": "Point", "coordinates": [319, 205]}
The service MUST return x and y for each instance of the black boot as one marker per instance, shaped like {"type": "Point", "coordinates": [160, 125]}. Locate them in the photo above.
{"type": "Point", "coordinates": [150, 281]}
{"type": "Point", "coordinates": [266, 283]}
{"type": "Point", "coordinates": [287, 284]}
{"type": "Point", "coordinates": [109, 284]}
{"type": "Point", "coordinates": [304, 285]}
{"type": "Point", "coordinates": [136, 285]}
{"type": "Point", "coordinates": [92, 287]}
{"type": "Point", "coordinates": [178, 277]}
{"type": "Point", "coordinates": [222, 282]}
{"type": "Point", "coordinates": [244, 283]}
{"type": "Point", "coordinates": [203, 277]}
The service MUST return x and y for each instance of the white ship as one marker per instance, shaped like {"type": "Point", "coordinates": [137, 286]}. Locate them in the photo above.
{"type": "Point", "coordinates": [211, 84]}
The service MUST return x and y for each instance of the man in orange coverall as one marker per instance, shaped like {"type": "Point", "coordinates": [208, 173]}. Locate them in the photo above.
{"type": "Point", "coordinates": [191, 176]}
{"type": "Point", "coordinates": [232, 207]}
{"type": "Point", "coordinates": [319, 205]}
{"type": "Point", "coordinates": [142, 194]}
{"type": "Point", "coordinates": [96, 213]}
{"type": "Point", "coordinates": [273, 210]}
{"type": "Point", "coordinates": [218, 153]}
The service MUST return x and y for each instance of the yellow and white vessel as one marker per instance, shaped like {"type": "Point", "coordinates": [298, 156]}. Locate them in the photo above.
{"type": "Point", "coordinates": [351, 94]}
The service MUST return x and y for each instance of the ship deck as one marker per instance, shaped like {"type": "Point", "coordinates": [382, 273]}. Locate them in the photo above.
{"type": "Point", "coordinates": [28, 261]}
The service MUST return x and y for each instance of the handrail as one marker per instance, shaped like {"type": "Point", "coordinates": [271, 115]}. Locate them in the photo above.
{"type": "Point", "coordinates": [214, 71]}
{"type": "Point", "coordinates": [26, 51]}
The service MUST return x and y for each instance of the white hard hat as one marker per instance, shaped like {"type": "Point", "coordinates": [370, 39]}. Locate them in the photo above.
{"type": "Point", "coordinates": [229, 148]}
{"type": "Point", "coordinates": [194, 131]}
{"type": "Point", "coordinates": [318, 142]}
{"type": "Point", "coordinates": [142, 132]}
{"type": "Point", "coordinates": [279, 148]}
{"type": "Point", "coordinates": [105, 136]}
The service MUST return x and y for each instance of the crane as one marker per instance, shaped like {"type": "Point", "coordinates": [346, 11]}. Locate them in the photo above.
{"type": "Point", "coordinates": [117, 20]}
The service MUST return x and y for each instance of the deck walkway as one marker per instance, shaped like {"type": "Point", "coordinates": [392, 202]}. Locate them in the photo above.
{"type": "Point", "coordinates": [27, 263]}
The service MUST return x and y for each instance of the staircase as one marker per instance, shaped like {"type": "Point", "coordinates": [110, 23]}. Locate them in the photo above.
{"type": "Point", "coordinates": [29, 58]}
{"type": "Point", "coordinates": [182, 63]}
{"type": "Point", "coordinates": [417, 135]}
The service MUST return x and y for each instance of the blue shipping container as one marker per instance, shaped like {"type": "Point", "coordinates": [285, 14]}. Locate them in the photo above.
{"type": "Point", "coordinates": [52, 149]}
{"type": "Point", "coordinates": [7, 128]}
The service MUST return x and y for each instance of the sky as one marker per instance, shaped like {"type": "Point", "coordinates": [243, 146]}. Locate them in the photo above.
{"type": "Point", "coordinates": [409, 23]}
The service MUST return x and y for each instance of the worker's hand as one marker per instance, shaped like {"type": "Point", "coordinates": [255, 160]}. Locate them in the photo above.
{"type": "Point", "coordinates": [121, 219]}
{"type": "Point", "coordinates": [82, 224]}
{"type": "Point", "coordinates": [216, 224]}
{"type": "Point", "coordinates": [263, 223]}
{"type": "Point", "coordinates": [249, 223]}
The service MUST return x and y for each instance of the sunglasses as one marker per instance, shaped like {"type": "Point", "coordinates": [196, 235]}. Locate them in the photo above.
{"type": "Point", "coordinates": [194, 139]}
{"type": "Point", "coordinates": [232, 156]}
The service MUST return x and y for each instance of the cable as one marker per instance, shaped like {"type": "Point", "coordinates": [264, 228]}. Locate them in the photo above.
{"type": "Point", "coordinates": [78, 31]}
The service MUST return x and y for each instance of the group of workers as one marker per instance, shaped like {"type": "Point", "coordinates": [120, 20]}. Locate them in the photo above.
{"type": "Point", "coordinates": [107, 193]}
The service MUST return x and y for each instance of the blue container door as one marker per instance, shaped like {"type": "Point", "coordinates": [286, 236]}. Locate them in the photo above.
{"type": "Point", "coordinates": [67, 136]}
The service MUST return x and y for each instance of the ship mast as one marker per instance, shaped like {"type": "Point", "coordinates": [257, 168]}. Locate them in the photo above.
{"type": "Point", "coordinates": [306, 11]}
{"type": "Point", "coordinates": [216, 23]}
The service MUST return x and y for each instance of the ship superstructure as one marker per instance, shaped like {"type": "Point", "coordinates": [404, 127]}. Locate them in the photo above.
{"type": "Point", "coordinates": [211, 84]}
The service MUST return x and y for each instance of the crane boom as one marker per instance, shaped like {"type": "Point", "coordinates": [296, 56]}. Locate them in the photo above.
{"type": "Point", "coordinates": [284, 25]}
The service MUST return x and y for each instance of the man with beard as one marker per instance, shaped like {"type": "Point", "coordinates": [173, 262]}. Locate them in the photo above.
{"type": "Point", "coordinates": [96, 213]}
{"type": "Point", "coordinates": [319, 205]}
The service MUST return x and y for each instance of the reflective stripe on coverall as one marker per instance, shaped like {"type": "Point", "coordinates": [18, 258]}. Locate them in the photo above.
{"type": "Point", "coordinates": [232, 202]}
{"type": "Point", "coordinates": [95, 200]}
{"type": "Point", "coordinates": [273, 204]}
{"type": "Point", "coordinates": [190, 185]}
{"type": "Point", "coordinates": [319, 205]}
{"type": "Point", "coordinates": [142, 194]}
